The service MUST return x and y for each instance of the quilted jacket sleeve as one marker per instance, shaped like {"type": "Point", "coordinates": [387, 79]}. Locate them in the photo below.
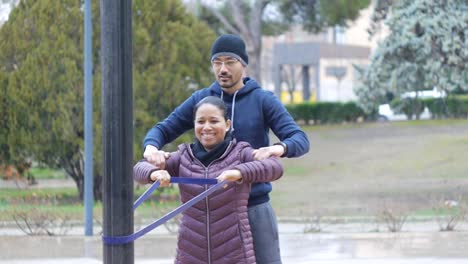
{"type": "Point", "coordinates": [142, 170]}
{"type": "Point", "coordinates": [266, 170]}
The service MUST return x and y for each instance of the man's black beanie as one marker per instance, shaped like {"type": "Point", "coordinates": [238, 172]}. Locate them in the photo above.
{"type": "Point", "coordinates": [230, 45]}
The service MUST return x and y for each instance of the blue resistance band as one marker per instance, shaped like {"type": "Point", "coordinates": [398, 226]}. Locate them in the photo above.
{"type": "Point", "coordinates": [181, 180]}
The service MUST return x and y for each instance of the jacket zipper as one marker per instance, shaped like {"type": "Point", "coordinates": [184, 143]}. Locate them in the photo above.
{"type": "Point", "coordinates": [208, 236]}
{"type": "Point", "coordinates": [228, 149]}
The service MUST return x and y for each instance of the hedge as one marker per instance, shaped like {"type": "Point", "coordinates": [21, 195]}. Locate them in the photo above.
{"type": "Point", "coordinates": [454, 106]}
{"type": "Point", "coordinates": [325, 112]}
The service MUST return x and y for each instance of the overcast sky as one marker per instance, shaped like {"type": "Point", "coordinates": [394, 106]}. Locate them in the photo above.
{"type": "Point", "coordinates": [4, 11]}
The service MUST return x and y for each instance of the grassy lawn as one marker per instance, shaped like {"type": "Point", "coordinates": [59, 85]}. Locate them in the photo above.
{"type": "Point", "coordinates": [65, 202]}
{"type": "Point", "coordinates": [363, 169]}
{"type": "Point", "coordinates": [47, 173]}
{"type": "Point", "coordinates": [352, 170]}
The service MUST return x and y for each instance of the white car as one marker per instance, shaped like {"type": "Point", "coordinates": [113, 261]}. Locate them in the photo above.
{"type": "Point", "coordinates": [386, 113]}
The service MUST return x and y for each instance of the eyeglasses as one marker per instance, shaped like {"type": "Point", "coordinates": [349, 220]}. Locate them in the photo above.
{"type": "Point", "coordinates": [217, 64]}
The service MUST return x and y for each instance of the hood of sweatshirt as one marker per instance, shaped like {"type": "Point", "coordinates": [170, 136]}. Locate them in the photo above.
{"type": "Point", "coordinates": [249, 86]}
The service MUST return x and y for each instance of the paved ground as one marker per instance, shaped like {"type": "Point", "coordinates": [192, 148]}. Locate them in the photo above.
{"type": "Point", "coordinates": [41, 183]}
{"type": "Point", "coordinates": [297, 248]}
{"type": "Point", "coordinates": [336, 261]}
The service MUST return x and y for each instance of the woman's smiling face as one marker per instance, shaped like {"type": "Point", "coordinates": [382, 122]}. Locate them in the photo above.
{"type": "Point", "coordinates": [210, 125]}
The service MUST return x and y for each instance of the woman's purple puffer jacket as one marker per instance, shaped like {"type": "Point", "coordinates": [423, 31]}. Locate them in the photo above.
{"type": "Point", "coordinates": [216, 229]}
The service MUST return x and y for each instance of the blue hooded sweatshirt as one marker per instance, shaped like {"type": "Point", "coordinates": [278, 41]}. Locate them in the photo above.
{"type": "Point", "coordinates": [253, 110]}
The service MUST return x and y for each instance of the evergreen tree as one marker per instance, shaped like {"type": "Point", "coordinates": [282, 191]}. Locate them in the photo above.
{"type": "Point", "coordinates": [171, 60]}
{"type": "Point", "coordinates": [427, 48]}
{"type": "Point", "coordinates": [41, 78]}
{"type": "Point", "coordinates": [41, 53]}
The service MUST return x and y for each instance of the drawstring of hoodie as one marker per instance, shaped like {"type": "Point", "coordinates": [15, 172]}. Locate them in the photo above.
{"type": "Point", "coordinates": [232, 108]}
{"type": "Point", "coordinates": [232, 111]}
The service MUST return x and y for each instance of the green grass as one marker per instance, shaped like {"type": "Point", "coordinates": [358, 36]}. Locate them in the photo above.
{"type": "Point", "coordinates": [65, 201]}
{"type": "Point", "coordinates": [434, 213]}
{"type": "Point", "coordinates": [148, 210]}
{"type": "Point", "coordinates": [62, 201]}
{"type": "Point", "coordinates": [47, 173]}
{"type": "Point", "coordinates": [10, 194]}
{"type": "Point", "coordinates": [296, 170]}
{"type": "Point", "coordinates": [352, 170]}
{"type": "Point", "coordinates": [430, 122]}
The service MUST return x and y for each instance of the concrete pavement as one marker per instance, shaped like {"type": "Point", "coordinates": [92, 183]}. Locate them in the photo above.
{"type": "Point", "coordinates": [297, 248]}
{"type": "Point", "coordinates": [318, 261]}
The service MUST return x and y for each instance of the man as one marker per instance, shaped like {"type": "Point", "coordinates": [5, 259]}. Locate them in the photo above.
{"type": "Point", "coordinates": [254, 111]}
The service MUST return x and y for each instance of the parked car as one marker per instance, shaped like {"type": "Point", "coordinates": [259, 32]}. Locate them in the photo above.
{"type": "Point", "coordinates": [386, 113]}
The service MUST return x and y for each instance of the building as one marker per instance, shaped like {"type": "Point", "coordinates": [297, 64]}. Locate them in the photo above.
{"type": "Point", "coordinates": [326, 69]}
{"type": "Point", "coordinates": [322, 62]}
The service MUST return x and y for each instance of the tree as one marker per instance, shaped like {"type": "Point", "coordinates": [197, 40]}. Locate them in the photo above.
{"type": "Point", "coordinates": [171, 60]}
{"type": "Point", "coordinates": [253, 18]}
{"type": "Point", "coordinates": [289, 75]}
{"type": "Point", "coordinates": [41, 77]}
{"type": "Point", "coordinates": [426, 48]}
{"type": "Point", "coordinates": [41, 55]}
{"type": "Point", "coordinates": [381, 11]}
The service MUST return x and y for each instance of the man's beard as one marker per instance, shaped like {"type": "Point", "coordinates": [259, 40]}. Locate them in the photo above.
{"type": "Point", "coordinates": [226, 85]}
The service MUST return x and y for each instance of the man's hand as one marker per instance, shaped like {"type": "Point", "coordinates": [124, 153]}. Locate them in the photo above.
{"type": "Point", "coordinates": [266, 152]}
{"type": "Point", "coordinates": [162, 176]}
{"type": "Point", "coordinates": [156, 157]}
{"type": "Point", "coordinates": [229, 175]}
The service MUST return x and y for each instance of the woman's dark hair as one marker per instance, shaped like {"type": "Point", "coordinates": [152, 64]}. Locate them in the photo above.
{"type": "Point", "coordinates": [212, 100]}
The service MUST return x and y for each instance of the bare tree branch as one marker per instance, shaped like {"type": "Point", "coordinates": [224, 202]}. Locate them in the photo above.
{"type": "Point", "coordinates": [239, 18]}
{"type": "Point", "coordinates": [223, 19]}
{"type": "Point", "coordinates": [256, 21]}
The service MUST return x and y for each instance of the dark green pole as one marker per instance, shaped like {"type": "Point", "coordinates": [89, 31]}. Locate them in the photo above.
{"type": "Point", "coordinates": [117, 130]}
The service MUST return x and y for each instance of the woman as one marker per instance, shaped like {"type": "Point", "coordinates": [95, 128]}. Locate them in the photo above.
{"type": "Point", "coordinates": [215, 230]}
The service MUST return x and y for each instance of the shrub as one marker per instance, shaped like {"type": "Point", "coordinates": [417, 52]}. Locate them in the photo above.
{"type": "Point", "coordinates": [394, 218]}
{"type": "Point", "coordinates": [455, 106]}
{"type": "Point", "coordinates": [449, 212]}
{"type": "Point", "coordinates": [411, 107]}
{"type": "Point", "coordinates": [326, 112]}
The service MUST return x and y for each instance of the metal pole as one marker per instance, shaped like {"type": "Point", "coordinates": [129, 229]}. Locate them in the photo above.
{"type": "Point", "coordinates": [318, 96]}
{"type": "Point", "coordinates": [88, 121]}
{"type": "Point", "coordinates": [117, 130]}
{"type": "Point", "coordinates": [305, 83]}
{"type": "Point", "coordinates": [278, 71]}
